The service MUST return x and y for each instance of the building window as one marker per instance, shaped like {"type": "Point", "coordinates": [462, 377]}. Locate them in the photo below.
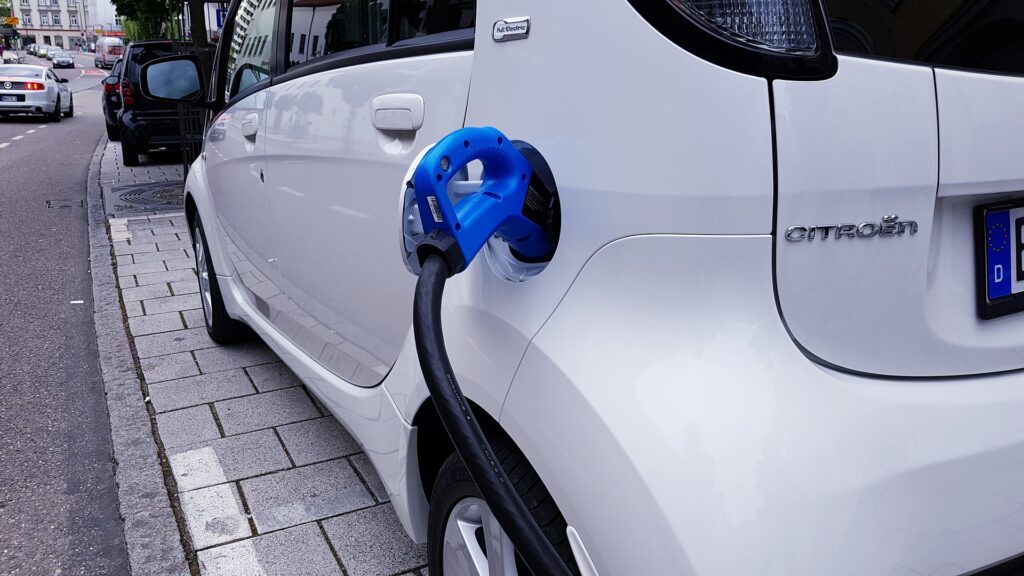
{"type": "Point", "coordinates": [44, 19]}
{"type": "Point", "coordinates": [24, 3]}
{"type": "Point", "coordinates": [27, 19]}
{"type": "Point", "coordinates": [117, 20]}
{"type": "Point", "coordinates": [73, 18]}
{"type": "Point", "coordinates": [72, 2]}
{"type": "Point", "coordinates": [56, 18]}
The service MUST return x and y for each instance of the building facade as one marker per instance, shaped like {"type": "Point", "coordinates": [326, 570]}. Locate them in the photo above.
{"type": "Point", "coordinates": [68, 24]}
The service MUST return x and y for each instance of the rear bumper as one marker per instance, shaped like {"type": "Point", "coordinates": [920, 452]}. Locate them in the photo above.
{"type": "Point", "coordinates": [36, 102]}
{"type": "Point", "coordinates": [690, 426]}
{"type": "Point", "coordinates": [149, 129]}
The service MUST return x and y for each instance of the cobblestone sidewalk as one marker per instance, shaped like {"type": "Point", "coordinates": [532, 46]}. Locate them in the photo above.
{"type": "Point", "coordinates": [267, 482]}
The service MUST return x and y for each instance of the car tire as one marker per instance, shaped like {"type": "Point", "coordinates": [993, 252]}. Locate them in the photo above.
{"type": "Point", "coordinates": [222, 328]}
{"type": "Point", "coordinates": [129, 154]}
{"type": "Point", "coordinates": [113, 134]}
{"type": "Point", "coordinates": [71, 108]}
{"type": "Point", "coordinates": [55, 116]}
{"type": "Point", "coordinates": [455, 493]}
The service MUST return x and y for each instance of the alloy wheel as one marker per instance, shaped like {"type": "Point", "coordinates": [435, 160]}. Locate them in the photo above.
{"type": "Point", "coordinates": [203, 270]}
{"type": "Point", "coordinates": [475, 544]}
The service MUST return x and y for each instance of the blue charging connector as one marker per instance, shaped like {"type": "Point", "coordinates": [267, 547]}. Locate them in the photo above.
{"type": "Point", "coordinates": [505, 205]}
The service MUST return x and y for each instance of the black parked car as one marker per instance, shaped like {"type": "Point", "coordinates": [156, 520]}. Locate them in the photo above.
{"type": "Point", "coordinates": [144, 124]}
{"type": "Point", "coordinates": [112, 100]}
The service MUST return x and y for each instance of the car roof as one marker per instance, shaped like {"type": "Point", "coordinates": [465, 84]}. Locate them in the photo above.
{"type": "Point", "coordinates": [30, 66]}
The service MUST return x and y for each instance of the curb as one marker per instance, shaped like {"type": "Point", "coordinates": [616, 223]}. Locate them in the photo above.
{"type": "Point", "coordinates": [150, 529]}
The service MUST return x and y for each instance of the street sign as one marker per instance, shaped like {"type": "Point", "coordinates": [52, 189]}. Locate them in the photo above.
{"type": "Point", "coordinates": [12, 21]}
{"type": "Point", "coordinates": [222, 15]}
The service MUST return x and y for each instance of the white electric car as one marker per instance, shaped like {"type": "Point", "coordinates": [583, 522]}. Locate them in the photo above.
{"type": "Point", "coordinates": [27, 89]}
{"type": "Point", "coordinates": [781, 332]}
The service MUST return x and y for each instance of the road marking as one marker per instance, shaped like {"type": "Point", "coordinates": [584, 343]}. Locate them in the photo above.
{"type": "Point", "coordinates": [43, 126]}
{"type": "Point", "coordinates": [4, 145]}
{"type": "Point", "coordinates": [17, 138]}
{"type": "Point", "coordinates": [29, 131]}
{"type": "Point", "coordinates": [78, 301]}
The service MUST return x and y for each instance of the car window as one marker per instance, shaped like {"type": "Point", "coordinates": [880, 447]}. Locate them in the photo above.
{"type": "Point", "coordinates": [322, 27]}
{"type": "Point", "coordinates": [250, 51]}
{"type": "Point", "coordinates": [20, 72]}
{"type": "Point", "coordinates": [422, 17]}
{"type": "Point", "coordinates": [141, 55]}
{"type": "Point", "coordinates": [987, 36]}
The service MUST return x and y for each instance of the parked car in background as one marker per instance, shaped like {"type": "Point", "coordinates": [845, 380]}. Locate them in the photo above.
{"type": "Point", "coordinates": [31, 49]}
{"type": "Point", "coordinates": [108, 50]}
{"type": "Point", "coordinates": [144, 124]}
{"type": "Point", "coordinates": [53, 51]}
{"type": "Point", "coordinates": [111, 101]}
{"type": "Point", "coordinates": [63, 60]}
{"type": "Point", "coordinates": [41, 51]}
{"type": "Point", "coordinates": [27, 89]}
{"type": "Point", "coordinates": [12, 57]}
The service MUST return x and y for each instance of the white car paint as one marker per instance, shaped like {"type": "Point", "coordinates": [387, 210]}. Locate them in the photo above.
{"type": "Point", "coordinates": [680, 415]}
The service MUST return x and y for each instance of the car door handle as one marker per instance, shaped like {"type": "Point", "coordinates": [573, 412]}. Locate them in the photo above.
{"type": "Point", "coordinates": [251, 125]}
{"type": "Point", "coordinates": [399, 112]}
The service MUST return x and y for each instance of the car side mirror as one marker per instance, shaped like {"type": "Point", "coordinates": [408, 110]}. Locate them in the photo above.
{"type": "Point", "coordinates": [110, 80]}
{"type": "Point", "coordinates": [173, 79]}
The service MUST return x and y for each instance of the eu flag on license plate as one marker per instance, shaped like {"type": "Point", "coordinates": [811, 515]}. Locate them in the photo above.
{"type": "Point", "coordinates": [998, 254]}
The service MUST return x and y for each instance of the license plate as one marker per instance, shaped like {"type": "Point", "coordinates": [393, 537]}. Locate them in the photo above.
{"type": "Point", "coordinates": [8, 98]}
{"type": "Point", "coordinates": [999, 239]}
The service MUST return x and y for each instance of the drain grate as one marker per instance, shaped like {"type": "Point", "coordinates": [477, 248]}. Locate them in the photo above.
{"type": "Point", "coordinates": [147, 197]}
{"type": "Point", "coordinates": [65, 203]}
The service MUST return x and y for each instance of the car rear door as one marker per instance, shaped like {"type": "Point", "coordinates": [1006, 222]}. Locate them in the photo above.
{"type": "Point", "coordinates": [880, 169]}
{"type": "Point", "coordinates": [369, 84]}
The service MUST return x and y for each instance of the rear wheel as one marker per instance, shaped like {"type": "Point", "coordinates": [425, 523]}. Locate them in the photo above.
{"type": "Point", "coordinates": [223, 329]}
{"type": "Point", "coordinates": [464, 538]}
{"type": "Point", "coordinates": [56, 114]}
{"type": "Point", "coordinates": [71, 108]}
{"type": "Point", "coordinates": [113, 133]}
{"type": "Point", "coordinates": [129, 154]}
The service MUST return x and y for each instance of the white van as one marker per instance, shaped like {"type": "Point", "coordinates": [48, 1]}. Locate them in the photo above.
{"type": "Point", "coordinates": [781, 333]}
{"type": "Point", "coordinates": [108, 50]}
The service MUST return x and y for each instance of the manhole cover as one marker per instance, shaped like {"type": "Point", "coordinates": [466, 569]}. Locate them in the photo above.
{"type": "Point", "coordinates": [149, 197]}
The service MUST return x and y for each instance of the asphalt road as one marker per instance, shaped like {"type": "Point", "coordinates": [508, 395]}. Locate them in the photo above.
{"type": "Point", "coordinates": [58, 506]}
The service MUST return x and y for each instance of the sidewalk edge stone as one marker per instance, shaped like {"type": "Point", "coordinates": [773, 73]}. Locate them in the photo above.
{"type": "Point", "coordinates": [150, 529]}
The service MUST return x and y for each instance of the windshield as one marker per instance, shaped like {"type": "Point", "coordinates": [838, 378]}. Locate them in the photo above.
{"type": "Point", "coordinates": [20, 72]}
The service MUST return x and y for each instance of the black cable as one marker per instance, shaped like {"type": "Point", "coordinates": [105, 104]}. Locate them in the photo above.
{"type": "Point", "coordinates": [463, 428]}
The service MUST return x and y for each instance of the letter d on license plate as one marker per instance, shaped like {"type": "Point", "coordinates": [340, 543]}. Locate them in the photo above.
{"type": "Point", "coordinates": [999, 236]}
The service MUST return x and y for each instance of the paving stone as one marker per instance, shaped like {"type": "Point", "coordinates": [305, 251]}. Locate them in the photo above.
{"type": "Point", "coordinates": [173, 244]}
{"type": "Point", "coordinates": [372, 542]}
{"type": "Point", "coordinates": [227, 459]}
{"type": "Point", "coordinates": [214, 516]}
{"type": "Point", "coordinates": [186, 426]}
{"type": "Point", "coordinates": [185, 287]}
{"type": "Point", "coordinates": [171, 342]}
{"type": "Point", "coordinates": [171, 304]}
{"type": "Point", "coordinates": [185, 264]}
{"type": "Point", "coordinates": [304, 494]}
{"type": "Point", "coordinates": [133, 309]}
{"type": "Point", "coordinates": [269, 377]}
{"type": "Point", "coordinates": [168, 367]}
{"type": "Point", "coordinates": [155, 256]}
{"type": "Point", "coordinates": [194, 318]}
{"type": "Point", "coordinates": [298, 551]}
{"type": "Point", "coordinates": [165, 322]}
{"type": "Point", "coordinates": [317, 440]}
{"type": "Point", "coordinates": [365, 467]}
{"type": "Point", "coordinates": [144, 268]}
{"type": "Point", "coordinates": [202, 389]}
{"type": "Point", "coordinates": [264, 410]}
{"type": "Point", "coordinates": [121, 247]}
{"type": "Point", "coordinates": [164, 277]}
{"type": "Point", "coordinates": [144, 292]}
{"type": "Point", "coordinates": [124, 259]}
{"type": "Point", "coordinates": [147, 236]}
{"type": "Point", "coordinates": [237, 356]}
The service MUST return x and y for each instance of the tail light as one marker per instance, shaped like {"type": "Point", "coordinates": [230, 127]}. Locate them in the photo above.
{"type": "Point", "coordinates": [34, 86]}
{"type": "Point", "coordinates": [127, 98]}
{"type": "Point", "coordinates": [772, 38]}
{"type": "Point", "coordinates": [111, 87]}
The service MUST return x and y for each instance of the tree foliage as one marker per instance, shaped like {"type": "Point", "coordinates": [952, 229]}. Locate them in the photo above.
{"type": "Point", "coordinates": [147, 16]}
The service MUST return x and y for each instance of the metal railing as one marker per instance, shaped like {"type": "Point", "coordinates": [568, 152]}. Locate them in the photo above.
{"type": "Point", "coordinates": [192, 119]}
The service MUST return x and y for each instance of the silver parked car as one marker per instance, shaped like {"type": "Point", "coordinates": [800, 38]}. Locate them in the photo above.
{"type": "Point", "coordinates": [26, 89]}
